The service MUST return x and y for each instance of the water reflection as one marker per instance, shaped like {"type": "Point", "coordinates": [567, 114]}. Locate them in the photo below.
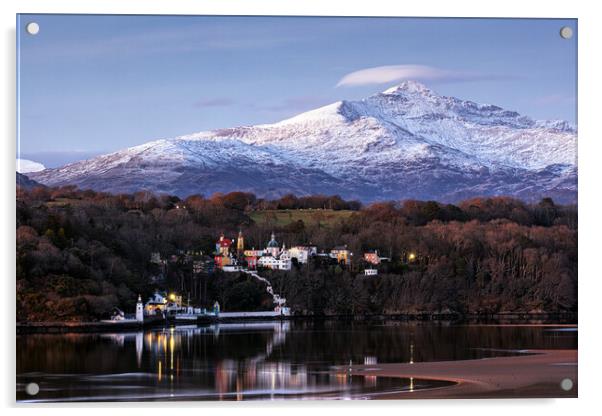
{"type": "Point", "coordinates": [241, 361]}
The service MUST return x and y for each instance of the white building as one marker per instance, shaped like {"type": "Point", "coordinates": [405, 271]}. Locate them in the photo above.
{"type": "Point", "coordinates": [271, 262]}
{"type": "Point", "coordinates": [156, 258]}
{"type": "Point", "coordinates": [274, 257]}
{"type": "Point", "coordinates": [285, 254]}
{"type": "Point", "coordinates": [303, 253]}
{"type": "Point", "coordinates": [156, 304]}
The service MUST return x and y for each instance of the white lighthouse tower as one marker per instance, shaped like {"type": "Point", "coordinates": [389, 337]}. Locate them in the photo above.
{"type": "Point", "coordinates": [139, 310]}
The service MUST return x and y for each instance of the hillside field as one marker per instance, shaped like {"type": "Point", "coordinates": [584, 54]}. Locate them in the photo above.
{"type": "Point", "coordinates": [283, 217]}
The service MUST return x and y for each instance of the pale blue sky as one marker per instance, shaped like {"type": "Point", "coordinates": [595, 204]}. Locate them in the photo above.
{"type": "Point", "coordinates": [91, 84]}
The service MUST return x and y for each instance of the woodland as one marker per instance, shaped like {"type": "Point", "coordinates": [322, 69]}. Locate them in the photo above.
{"type": "Point", "coordinates": [81, 253]}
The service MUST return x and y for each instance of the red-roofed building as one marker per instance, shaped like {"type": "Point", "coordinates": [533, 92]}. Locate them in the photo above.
{"type": "Point", "coordinates": [372, 257]}
{"type": "Point", "coordinates": [223, 245]}
{"type": "Point", "coordinates": [222, 252]}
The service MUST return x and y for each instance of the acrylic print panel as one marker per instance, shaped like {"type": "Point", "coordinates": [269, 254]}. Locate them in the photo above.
{"type": "Point", "coordinates": [257, 208]}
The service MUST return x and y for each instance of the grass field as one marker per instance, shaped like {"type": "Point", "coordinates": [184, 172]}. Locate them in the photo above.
{"type": "Point", "coordinates": [63, 202]}
{"type": "Point", "coordinates": [282, 217]}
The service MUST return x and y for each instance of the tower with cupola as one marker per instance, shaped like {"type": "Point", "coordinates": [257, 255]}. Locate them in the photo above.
{"type": "Point", "coordinates": [240, 244]}
{"type": "Point", "coordinates": [139, 310]}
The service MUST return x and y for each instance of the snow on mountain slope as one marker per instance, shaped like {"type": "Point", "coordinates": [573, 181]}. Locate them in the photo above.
{"type": "Point", "coordinates": [406, 142]}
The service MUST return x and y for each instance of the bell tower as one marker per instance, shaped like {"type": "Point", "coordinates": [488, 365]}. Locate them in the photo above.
{"type": "Point", "coordinates": [139, 310]}
{"type": "Point", "coordinates": [240, 243]}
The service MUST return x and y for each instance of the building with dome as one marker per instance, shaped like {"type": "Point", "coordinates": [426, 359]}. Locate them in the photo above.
{"type": "Point", "coordinates": [273, 248]}
{"type": "Point", "coordinates": [275, 257]}
{"type": "Point", "coordinates": [229, 259]}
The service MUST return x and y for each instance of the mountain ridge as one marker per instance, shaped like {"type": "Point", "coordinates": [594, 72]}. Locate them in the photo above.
{"type": "Point", "coordinates": [406, 142]}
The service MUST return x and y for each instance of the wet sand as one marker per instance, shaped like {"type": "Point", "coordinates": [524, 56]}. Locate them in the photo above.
{"type": "Point", "coordinates": [533, 373]}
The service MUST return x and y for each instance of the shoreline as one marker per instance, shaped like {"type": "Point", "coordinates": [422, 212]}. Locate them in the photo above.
{"type": "Point", "coordinates": [523, 319]}
{"type": "Point", "coordinates": [533, 374]}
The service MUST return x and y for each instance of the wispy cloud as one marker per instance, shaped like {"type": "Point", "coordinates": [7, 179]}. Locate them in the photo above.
{"type": "Point", "coordinates": [215, 102]}
{"type": "Point", "coordinates": [395, 73]}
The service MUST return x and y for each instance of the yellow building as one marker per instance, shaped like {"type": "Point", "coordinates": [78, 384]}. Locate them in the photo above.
{"type": "Point", "coordinates": [342, 254]}
{"type": "Point", "coordinates": [176, 299]}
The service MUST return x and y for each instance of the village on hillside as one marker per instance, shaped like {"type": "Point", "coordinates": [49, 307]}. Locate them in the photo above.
{"type": "Point", "coordinates": [231, 255]}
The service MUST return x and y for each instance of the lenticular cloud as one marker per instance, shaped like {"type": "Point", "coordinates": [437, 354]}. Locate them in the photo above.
{"type": "Point", "coordinates": [394, 73]}
{"type": "Point", "coordinates": [28, 166]}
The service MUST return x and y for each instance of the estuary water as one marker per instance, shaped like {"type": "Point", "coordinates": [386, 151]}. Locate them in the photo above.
{"type": "Point", "coordinates": [259, 360]}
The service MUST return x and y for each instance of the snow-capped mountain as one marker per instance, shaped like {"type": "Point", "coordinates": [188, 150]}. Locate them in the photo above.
{"type": "Point", "coordinates": [406, 142]}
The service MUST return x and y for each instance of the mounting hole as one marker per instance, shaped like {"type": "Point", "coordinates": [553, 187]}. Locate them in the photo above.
{"type": "Point", "coordinates": [566, 32]}
{"type": "Point", "coordinates": [32, 28]}
{"type": "Point", "coordinates": [566, 384]}
{"type": "Point", "coordinates": [32, 389]}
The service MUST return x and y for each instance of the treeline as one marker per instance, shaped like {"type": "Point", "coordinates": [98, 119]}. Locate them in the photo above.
{"type": "Point", "coordinates": [229, 206]}
{"type": "Point", "coordinates": [545, 213]}
{"type": "Point", "coordinates": [240, 201]}
{"type": "Point", "coordinates": [81, 253]}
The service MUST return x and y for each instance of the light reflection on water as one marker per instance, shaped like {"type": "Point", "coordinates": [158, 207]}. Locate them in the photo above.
{"type": "Point", "coordinates": [266, 360]}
